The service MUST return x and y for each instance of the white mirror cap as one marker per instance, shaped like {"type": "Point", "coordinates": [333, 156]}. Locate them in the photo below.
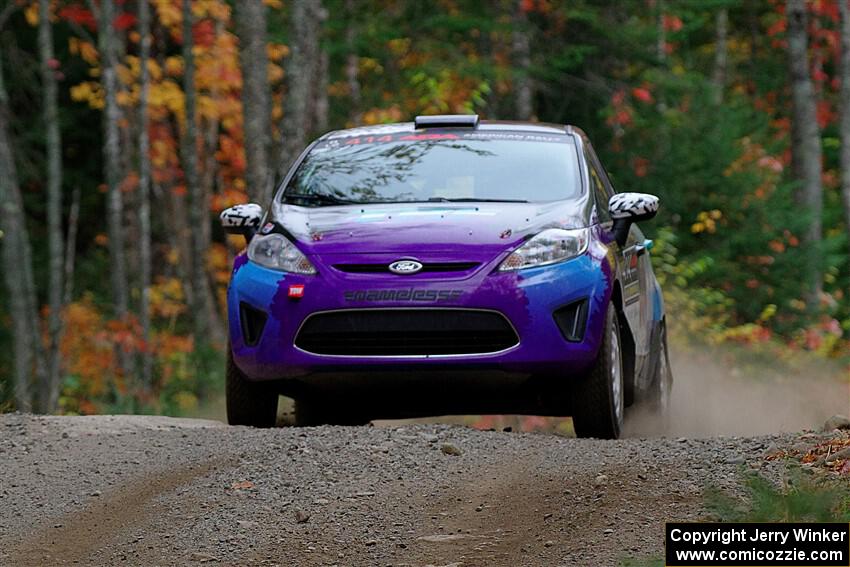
{"type": "Point", "coordinates": [242, 216]}
{"type": "Point", "coordinates": [629, 205]}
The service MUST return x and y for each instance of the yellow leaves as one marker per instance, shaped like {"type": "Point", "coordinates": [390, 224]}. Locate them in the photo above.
{"type": "Point", "coordinates": [186, 401]}
{"type": "Point", "coordinates": [707, 222]}
{"type": "Point", "coordinates": [218, 263]}
{"type": "Point", "coordinates": [174, 66]}
{"type": "Point", "coordinates": [369, 65]}
{"type": "Point", "coordinates": [31, 14]}
{"type": "Point", "coordinates": [275, 73]}
{"type": "Point", "coordinates": [167, 94]}
{"type": "Point", "coordinates": [382, 115]}
{"type": "Point", "coordinates": [89, 92]}
{"type": "Point", "coordinates": [767, 313]}
{"type": "Point", "coordinates": [168, 12]}
{"type": "Point", "coordinates": [215, 9]}
{"type": "Point", "coordinates": [166, 298]}
{"type": "Point", "coordinates": [399, 46]}
{"type": "Point", "coordinates": [85, 49]}
{"type": "Point", "coordinates": [274, 4]}
{"type": "Point", "coordinates": [276, 51]}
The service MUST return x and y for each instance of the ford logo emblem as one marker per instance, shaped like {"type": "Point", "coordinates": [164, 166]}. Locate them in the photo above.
{"type": "Point", "coordinates": [405, 267]}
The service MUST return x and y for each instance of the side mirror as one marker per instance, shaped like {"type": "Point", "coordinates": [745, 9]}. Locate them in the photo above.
{"type": "Point", "coordinates": [627, 208]}
{"type": "Point", "coordinates": [242, 219]}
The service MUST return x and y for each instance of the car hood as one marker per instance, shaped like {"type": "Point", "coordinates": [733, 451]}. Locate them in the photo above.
{"type": "Point", "coordinates": [413, 228]}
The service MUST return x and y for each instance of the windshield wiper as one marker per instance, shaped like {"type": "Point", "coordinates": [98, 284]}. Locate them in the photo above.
{"type": "Point", "coordinates": [473, 200]}
{"type": "Point", "coordinates": [319, 198]}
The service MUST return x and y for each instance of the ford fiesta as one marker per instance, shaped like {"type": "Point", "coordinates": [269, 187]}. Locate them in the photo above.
{"type": "Point", "coordinates": [446, 266]}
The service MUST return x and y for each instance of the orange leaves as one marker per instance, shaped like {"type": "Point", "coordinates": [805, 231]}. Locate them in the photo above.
{"type": "Point", "coordinates": [87, 347]}
{"type": "Point", "coordinates": [276, 51]}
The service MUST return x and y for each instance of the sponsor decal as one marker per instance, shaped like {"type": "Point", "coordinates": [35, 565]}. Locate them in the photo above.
{"type": "Point", "coordinates": [267, 228]}
{"type": "Point", "coordinates": [296, 291]}
{"type": "Point", "coordinates": [410, 294]}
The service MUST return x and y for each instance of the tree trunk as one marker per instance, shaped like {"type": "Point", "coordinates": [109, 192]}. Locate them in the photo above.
{"type": "Point", "coordinates": [844, 108]}
{"type": "Point", "coordinates": [307, 16]}
{"type": "Point", "coordinates": [144, 196]}
{"type": "Point", "coordinates": [352, 65]}
{"type": "Point", "coordinates": [321, 108]}
{"type": "Point", "coordinates": [112, 158]}
{"type": "Point", "coordinates": [521, 49]}
{"type": "Point", "coordinates": [49, 390]}
{"type": "Point", "coordinates": [718, 77]}
{"type": "Point", "coordinates": [17, 269]}
{"type": "Point", "coordinates": [71, 246]}
{"type": "Point", "coordinates": [256, 97]}
{"type": "Point", "coordinates": [806, 147]}
{"type": "Point", "coordinates": [203, 310]}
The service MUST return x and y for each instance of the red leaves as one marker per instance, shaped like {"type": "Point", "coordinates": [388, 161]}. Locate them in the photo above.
{"type": "Point", "coordinates": [203, 33]}
{"type": "Point", "coordinates": [640, 165]}
{"type": "Point", "coordinates": [78, 14]}
{"type": "Point", "coordinates": [642, 94]}
{"type": "Point", "coordinates": [124, 21]}
{"type": "Point", "coordinates": [671, 23]}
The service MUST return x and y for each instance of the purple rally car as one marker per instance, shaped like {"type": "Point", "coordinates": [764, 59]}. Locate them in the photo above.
{"type": "Point", "coordinates": [446, 266]}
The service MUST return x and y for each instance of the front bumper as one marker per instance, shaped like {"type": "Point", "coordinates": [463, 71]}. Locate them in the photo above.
{"type": "Point", "coordinates": [527, 299]}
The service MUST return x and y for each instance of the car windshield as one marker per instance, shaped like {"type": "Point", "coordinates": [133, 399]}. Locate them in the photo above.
{"type": "Point", "coordinates": [437, 167]}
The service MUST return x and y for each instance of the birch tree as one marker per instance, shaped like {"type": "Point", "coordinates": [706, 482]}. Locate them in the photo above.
{"type": "Point", "coordinates": [144, 193]}
{"type": "Point", "coordinates": [49, 389]}
{"type": "Point", "coordinates": [301, 71]}
{"type": "Point", "coordinates": [806, 146]}
{"type": "Point", "coordinates": [107, 45]}
{"type": "Point", "coordinates": [352, 64]}
{"type": "Point", "coordinates": [256, 96]}
{"type": "Point", "coordinates": [17, 265]}
{"type": "Point", "coordinates": [521, 51]}
{"type": "Point", "coordinates": [207, 326]}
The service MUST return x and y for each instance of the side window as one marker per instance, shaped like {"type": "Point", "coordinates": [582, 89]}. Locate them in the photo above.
{"type": "Point", "coordinates": [600, 192]}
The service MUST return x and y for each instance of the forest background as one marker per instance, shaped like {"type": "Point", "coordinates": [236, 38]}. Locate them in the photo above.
{"type": "Point", "coordinates": [127, 126]}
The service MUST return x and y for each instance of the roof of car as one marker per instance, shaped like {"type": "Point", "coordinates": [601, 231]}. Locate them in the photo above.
{"type": "Point", "coordinates": [483, 125]}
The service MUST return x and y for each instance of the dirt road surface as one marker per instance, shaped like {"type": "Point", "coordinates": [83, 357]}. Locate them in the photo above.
{"type": "Point", "coordinates": [130, 490]}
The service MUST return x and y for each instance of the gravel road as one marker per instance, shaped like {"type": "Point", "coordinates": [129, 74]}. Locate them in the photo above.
{"type": "Point", "coordinates": [131, 490]}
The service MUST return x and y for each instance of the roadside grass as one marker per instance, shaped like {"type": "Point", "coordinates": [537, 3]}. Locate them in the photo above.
{"type": "Point", "coordinates": [799, 497]}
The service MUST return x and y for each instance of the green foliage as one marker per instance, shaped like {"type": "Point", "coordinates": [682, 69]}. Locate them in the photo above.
{"type": "Point", "coordinates": [196, 377]}
{"type": "Point", "coordinates": [799, 498]}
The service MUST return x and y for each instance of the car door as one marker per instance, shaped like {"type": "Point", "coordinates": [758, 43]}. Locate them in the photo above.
{"type": "Point", "coordinates": [632, 259]}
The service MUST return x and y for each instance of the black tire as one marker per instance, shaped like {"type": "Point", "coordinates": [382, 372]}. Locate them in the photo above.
{"type": "Point", "coordinates": [598, 402]}
{"type": "Point", "coordinates": [248, 403]}
{"type": "Point", "coordinates": [310, 412]}
{"type": "Point", "coordinates": [661, 386]}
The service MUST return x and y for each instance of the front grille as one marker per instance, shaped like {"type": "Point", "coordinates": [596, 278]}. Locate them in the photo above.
{"type": "Point", "coordinates": [406, 332]}
{"type": "Point", "coordinates": [426, 267]}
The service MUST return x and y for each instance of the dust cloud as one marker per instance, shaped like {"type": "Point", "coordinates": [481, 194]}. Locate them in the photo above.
{"type": "Point", "coordinates": [715, 394]}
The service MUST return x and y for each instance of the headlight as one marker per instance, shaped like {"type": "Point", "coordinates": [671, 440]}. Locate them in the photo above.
{"type": "Point", "coordinates": [275, 251]}
{"type": "Point", "coordinates": [550, 246]}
